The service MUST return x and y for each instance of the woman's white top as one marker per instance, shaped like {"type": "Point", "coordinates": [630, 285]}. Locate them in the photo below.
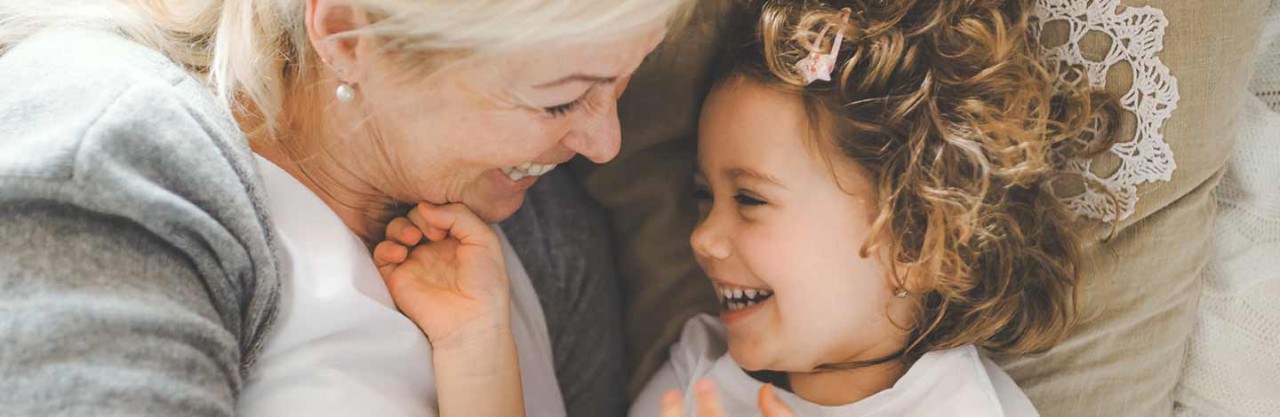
{"type": "Point", "coordinates": [340, 347]}
{"type": "Point", "coordinates": [955, 382]}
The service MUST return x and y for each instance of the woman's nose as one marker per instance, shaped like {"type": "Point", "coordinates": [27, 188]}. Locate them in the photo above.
{"type": "Point", "coordinates": [708, 242]}
{"type": "Point", "coordinates": [600, 137]}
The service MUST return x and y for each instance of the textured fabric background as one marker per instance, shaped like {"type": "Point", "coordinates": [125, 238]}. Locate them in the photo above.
{"type": "Point", "coordinates": [1233, 359]}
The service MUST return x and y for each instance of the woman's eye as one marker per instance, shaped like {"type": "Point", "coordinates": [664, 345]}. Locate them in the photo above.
{"type": "Point", "coordinates": [561, 110]}
{"type": "Point", "coordinates": [747, 200]}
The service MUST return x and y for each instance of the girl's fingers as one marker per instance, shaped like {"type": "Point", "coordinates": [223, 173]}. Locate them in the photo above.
{"type": "Point", "coordinates": [460, 222]}
{"type": "Point", "coordinates": [389, 253]}
{"type": "Point", "coordinates": [431, 233]}
{"type": "Point", "coordinates": [402, 231]}
{"type": "Point", "coordinates": [708, 399]}
{"type": "Point", "coordinates": [771, 405]}
{"type": "Point", "coordinates": [387, 256]}
{"type": "Point", "coordinates": [672, 405]}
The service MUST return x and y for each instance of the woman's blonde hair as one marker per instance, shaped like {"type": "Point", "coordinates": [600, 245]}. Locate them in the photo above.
{"type": "Point", "coordinates": [252, 51]}
{"type": "Point", "coordinates": [964, 132]}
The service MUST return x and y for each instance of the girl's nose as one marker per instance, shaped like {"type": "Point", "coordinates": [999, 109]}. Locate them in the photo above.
{"type": "Point", "coordinates": [708, 242]}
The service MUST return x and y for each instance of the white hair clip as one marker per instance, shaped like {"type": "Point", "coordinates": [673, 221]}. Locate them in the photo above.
{"type": "Point", "coordinates": [817, 66]}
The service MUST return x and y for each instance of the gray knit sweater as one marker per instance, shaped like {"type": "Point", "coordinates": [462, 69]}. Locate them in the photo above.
{"type": "Point", "coordinates": [138, 271]}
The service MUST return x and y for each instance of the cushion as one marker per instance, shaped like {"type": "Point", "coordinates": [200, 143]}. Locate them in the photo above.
{"type": "Point", "coordinates": [1142, 282]}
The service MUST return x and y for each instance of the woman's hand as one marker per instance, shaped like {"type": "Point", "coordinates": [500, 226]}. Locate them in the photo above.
{"type": "Point", "coordinates": [455, 280]}
{"type": "Point", "coordinates": [708, 402]}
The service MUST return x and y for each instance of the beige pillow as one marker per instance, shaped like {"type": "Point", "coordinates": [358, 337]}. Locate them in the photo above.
{"type": "Point", "coordinates": [1125, 355]}
{"type": "Point", "coordinates": [1137, 306]}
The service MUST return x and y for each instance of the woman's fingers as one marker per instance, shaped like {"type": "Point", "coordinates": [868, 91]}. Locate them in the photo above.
{"type": "Point", "coordinates": [672, 404]}
{"type": "Point", "coordinates": [708, 399]}
{"type": "Point", "coordinates": [460, 223]}
{"type": "Point", "coordinates": [771, 405]}
{"type": "Point", "coordinates": [404, 232]}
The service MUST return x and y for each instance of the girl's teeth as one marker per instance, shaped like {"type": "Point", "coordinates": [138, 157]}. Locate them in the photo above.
{"type": "Point", "coordinates": [737, 294]}
{"type": "Point", "coordinates": [750, 293]}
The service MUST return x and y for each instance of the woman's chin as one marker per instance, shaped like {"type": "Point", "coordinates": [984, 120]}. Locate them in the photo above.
{"type": "Point", "coordinates": [498, 210]}
{"type": "Point", "coordinates": [498, 197]}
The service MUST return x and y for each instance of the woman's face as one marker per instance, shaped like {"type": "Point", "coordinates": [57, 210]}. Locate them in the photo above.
{"type": "Point", "coordinates": [783, 227]}
{"type": "Point", "coordinates": [481, 131]}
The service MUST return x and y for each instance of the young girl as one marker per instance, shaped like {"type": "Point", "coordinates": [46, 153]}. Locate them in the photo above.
{"type": "Point", "coordinates": [875, 196]}
{"type": "Point", "coordinates": [874, 184]}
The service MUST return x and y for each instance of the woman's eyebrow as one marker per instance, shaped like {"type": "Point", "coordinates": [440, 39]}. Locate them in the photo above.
{"type": "Point", "coordinates": [594, 79]}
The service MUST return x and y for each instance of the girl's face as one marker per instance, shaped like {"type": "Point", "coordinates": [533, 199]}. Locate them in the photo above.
{"type": "Point", "coordinates": [782, 226]}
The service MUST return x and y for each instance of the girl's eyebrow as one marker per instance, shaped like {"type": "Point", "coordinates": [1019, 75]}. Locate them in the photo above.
{"type": "Point", "coordinates": [735, 173]}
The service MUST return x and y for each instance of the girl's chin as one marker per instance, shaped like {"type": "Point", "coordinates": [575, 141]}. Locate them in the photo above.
{"type": "Point", "coordinates": [750, 356]}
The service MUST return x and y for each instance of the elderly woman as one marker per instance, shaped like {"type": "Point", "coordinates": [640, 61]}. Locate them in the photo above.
{"type": "Point", "coordinates": [190, 190]}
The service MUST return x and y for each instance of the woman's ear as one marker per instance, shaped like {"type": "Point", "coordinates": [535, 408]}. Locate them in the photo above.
{"type": "Point", "coordinates": [329, 23]}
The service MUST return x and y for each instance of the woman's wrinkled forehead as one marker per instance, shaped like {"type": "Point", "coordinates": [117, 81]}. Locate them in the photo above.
{"type": "Point", "coordinates": [610, 56]}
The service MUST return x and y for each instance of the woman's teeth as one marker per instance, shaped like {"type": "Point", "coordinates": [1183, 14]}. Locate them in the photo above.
{"type": "Point", "coordinates": [735, 298]}
{"type": "Point", "coordinates": [527, 169]}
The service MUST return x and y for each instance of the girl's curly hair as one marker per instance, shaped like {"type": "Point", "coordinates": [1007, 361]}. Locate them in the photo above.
{"type": "Point", "coordinates": [964, 131]}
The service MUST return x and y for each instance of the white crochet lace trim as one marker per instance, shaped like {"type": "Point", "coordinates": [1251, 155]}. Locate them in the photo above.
{"type": "Point", "coordinates": [1137, 34]}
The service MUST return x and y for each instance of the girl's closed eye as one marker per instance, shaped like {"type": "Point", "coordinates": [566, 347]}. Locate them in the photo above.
{"type": "Point", "coordinates": [702, 194]}
{"type": "Point", "coordinates": [746, 199]}
{"type": "Point", "coordinates": [703, 198]}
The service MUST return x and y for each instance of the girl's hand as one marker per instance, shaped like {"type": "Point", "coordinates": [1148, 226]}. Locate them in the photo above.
{"type": "Point", "coordinates": [455, 288]}
{"type": "Point", "coordinates": [456, 280]}
{"type": "Point", "coordinates": [709, 402]}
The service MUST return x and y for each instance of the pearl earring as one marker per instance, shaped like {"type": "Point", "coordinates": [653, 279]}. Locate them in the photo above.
{"type": "Point", "coordinates": [345, 93]}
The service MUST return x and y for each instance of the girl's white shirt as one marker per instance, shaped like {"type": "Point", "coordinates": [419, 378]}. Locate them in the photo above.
{"type": "Point", "coordinates": [339, 346]}
{"type": "Point", "coordinates": [955, 382]}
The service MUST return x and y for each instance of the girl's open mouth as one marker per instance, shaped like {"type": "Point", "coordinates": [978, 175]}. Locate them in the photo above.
{"type": "Point", "coordinates": [738, 298]}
